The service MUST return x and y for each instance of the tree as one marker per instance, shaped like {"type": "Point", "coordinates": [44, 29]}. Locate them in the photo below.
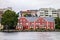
{"type": "Point", "coordinates": [9, 19]}
{"type": "Point", "coordinates": [57, 23]}
{"type": "Point", "coordinates": [27, 15]}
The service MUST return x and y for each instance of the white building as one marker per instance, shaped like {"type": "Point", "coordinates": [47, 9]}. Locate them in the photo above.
{"type": "Point", "coordinates": [58, 13]}
{"type": "Point", "coordinates": [4, 9]}
{"type": "Point", "coordinates": [47, 12]}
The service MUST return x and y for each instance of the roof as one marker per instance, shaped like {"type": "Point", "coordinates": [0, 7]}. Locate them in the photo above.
{"type": "Point", "coordinates": [28, 11]}
{"type": "Point", "coordinates": [32, 19]}
{"type": "Point", "coordinates": [24, 11]}
{"type": "Point", "coordinates": [49, 19]}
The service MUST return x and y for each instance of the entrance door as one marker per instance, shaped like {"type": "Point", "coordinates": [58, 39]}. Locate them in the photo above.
{"type": "Point", "coordinates": [25, 27]}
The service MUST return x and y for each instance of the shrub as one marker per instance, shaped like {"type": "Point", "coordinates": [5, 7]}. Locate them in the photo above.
{"type": "Point", "coordinates": [57, 26]}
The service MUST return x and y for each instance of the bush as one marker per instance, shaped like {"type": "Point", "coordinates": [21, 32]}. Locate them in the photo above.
{"type": "Point", "coordinates": [57, 26]}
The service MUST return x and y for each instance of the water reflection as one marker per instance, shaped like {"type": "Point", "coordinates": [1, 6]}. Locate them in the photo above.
{"type": "Point", "coordinates": [30, 36]}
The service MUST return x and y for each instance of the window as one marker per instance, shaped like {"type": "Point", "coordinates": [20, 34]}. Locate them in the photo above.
{"type": "Point", "coordinates": [37, 23]}
{"type": "Point", "coordinates": [31, 26]}
{"type": "Point", "coordinates": [46, 15]}
{"type": "Point", "coordinates": [21, 20]}
{"type": "Point", "coordinates": [20, 23]}
{"type": "Point", "coordinates": [54, 13]}
{"type": "Point", "coordinates": [41, 15]}
{"type": "Point", "coordinates": [49, 15]}
{"type": "Point", "coordinates": [37, 26]}
{"type": "Point", "coordinates": [46, 10]}
{"type": "Point", "coordinates": [26, 23]}
{"type": "Point", "coordinates": [32, 23]}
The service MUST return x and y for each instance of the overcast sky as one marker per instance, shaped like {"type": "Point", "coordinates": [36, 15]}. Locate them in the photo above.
{"type": "Point", "coordinates": [18, 5]}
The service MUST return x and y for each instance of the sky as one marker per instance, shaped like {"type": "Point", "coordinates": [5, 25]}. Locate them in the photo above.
{"type": "Point", "coordinates": [18, 5]}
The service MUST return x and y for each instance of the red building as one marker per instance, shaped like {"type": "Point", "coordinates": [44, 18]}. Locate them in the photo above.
{"type": "Point", "coordinates": [36, 22]}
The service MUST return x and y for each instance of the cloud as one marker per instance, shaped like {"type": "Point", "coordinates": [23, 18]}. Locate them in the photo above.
{"type": "Point", "coordinates": [18, 5]}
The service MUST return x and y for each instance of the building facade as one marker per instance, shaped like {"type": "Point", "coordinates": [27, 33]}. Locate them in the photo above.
{"type": "Point", "coordinates": [4, 9]}
{"type": "Point", "coordinates": [43, 12]}
{"type": "Point", "coordinates": [47, 12]}
{"type": "Point", "coordinates": [58, 13]}
{"type": "Point", "coordinates": [36, 22]}
{"type": "Point", "coordinates": [31, 13]}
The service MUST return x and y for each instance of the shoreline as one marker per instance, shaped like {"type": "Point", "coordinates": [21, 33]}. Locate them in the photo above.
{"type": "Point", "coordinates": [56, 30]}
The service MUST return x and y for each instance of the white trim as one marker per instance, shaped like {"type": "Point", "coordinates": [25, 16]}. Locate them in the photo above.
{"type": "Point", "coordinates": [47, 24]}
{"type": "Point", "coordinates": [34, 25]}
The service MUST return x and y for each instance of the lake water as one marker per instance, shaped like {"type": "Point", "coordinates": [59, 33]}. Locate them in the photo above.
{"type": "Point", "coordinates": [30, 36]}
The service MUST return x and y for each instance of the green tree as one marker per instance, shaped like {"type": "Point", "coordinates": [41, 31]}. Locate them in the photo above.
{"type": "Point", "coordinates": [9, 19]}
{"type": "Point", "coordinates": [27, 15]}
{"type": "Point", "coordinates": [57, 23]}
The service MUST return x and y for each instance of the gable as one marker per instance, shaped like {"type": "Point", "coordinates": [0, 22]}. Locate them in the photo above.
{"type": "Point", "coordinates": [40, 19]}
{"type": "Point", "coordinates": [23, 19]}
